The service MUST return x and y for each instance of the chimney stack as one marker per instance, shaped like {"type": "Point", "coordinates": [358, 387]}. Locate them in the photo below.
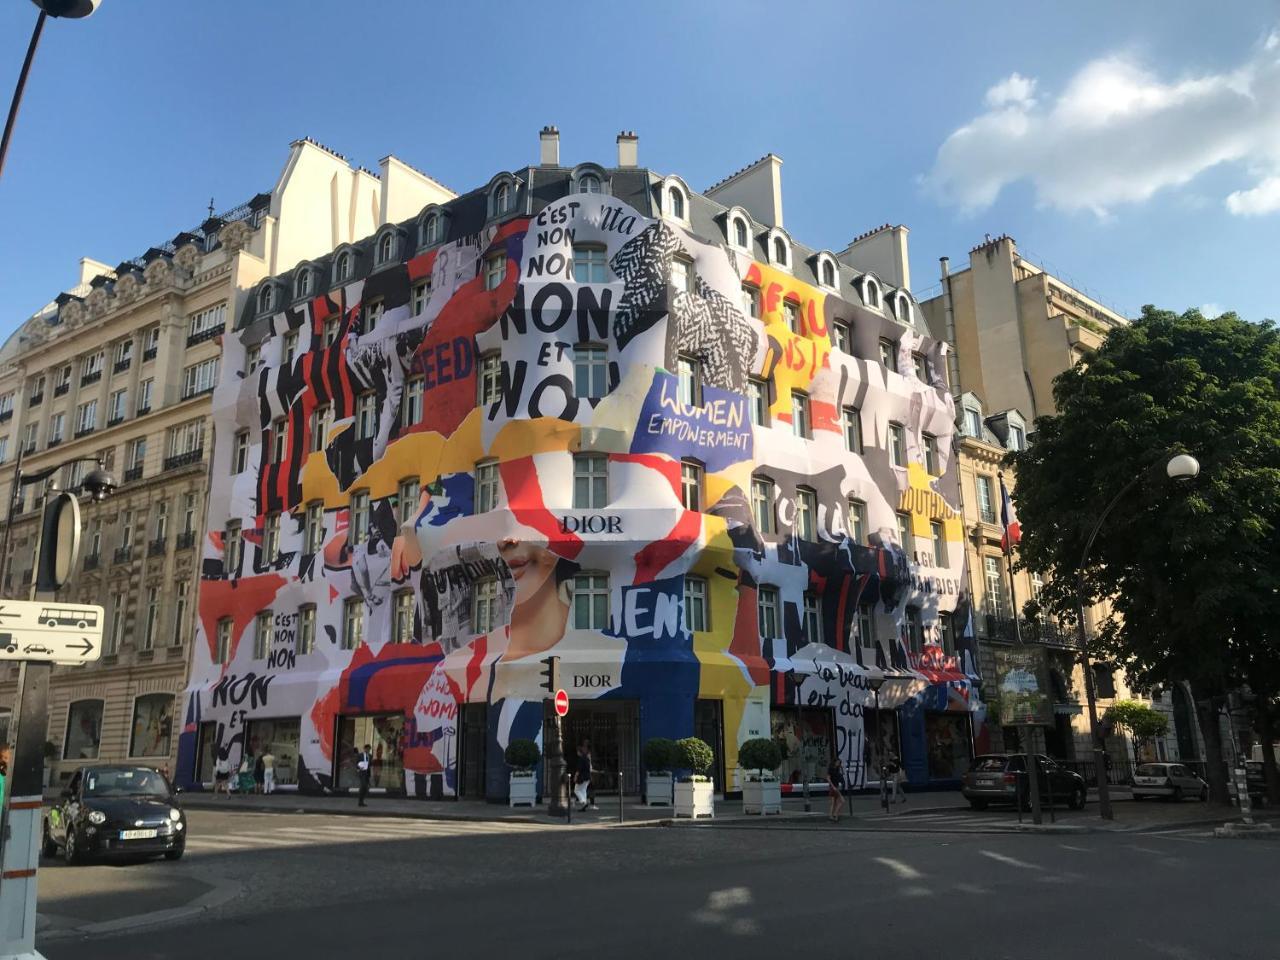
{"type": "Point", "coordinates": [628, 148]}
{"type": "Point", "coordinates": [549, 142]}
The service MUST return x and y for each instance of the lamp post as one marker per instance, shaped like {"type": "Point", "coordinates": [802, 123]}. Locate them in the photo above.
{"type": "Point", "coordinates": [1179, 467]}
{"type": "Point", "coordinates": [875, 683]}
{"type": "Point", "coordinates": [69, 9]}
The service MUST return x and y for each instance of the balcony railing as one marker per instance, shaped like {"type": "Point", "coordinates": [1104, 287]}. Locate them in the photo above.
{"type": "Point", "coordinates": [91, 562]}
{"type": "Point", "coordinates": [120, 366]}
{"type": "Point", "coordinates": [6, 415]}
{"type": "Point", "coordinates": [91, 377]}
{"type": "Point", "coordinates": [133, 473]}
{"type": "Point", "coordinates": [84, 432]}
{"type": "Point", "coordinates": [123, 554]}
{"type": "Point", "coordinates": [118, 418]}
{"type": "Point", "coordinates": [62, 388]}
{"type": "Point", "coordinates": [205, 335]}
{"type": "Point", "coordinates": [186, 540]}
{"type": "Point", "coordinates": [53, 442]}
{"type": "Point", "coordinates": [999, 625]}
{"type": "Point", "coordinates": [142, 410]}
{"type": "Point", "coordinates": [149, 354]}
{"type": "Point", "coordinates": [184, 459]}
{"type": "Point", "coordinates": [156, 547]}
{"type": "Point", "coordinates": [35, 400]}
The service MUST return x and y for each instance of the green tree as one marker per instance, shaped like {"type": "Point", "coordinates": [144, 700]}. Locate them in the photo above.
{"type": "Point", "coordinates": [1193, 569]}
{"type": "Point", "coordinates": [1143, 723]}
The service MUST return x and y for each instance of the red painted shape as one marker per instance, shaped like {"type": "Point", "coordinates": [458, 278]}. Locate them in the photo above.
{"type": "Point", "coordinates": [669, 469]}
{"type": "Point", "coordinates": [745, 644]}
{"type": "Point", "coordinates": [524, 493]}
{"type": "Point", "coordinates": [241, 600]}
{"type": "Point", "coordinates": [652, 559]}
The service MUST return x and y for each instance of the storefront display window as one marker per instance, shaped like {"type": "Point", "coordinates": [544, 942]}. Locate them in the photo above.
{"type": "Point", "coordinates": [805, 735]}
{"type": "Point", "coordinates": [281, 736]}
{"type": "Point", "coordinates": [386, 735]}
{"type": "Point", "coordinates": [152, 725]}
{"type": "Point", "coordinates": [84, 730]}
{"type": "Point", "coordinates": [947, 742]}
{"type": "Point", "coordinates": [879, 727]}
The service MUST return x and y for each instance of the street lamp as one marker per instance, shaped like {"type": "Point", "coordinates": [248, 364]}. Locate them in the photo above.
{"type": "Point", "coordinates": [1180, 467]}
{"type": "Point", "coordinates": [68, 10]}
{"type": "Point", "coordinates": [875, 682]}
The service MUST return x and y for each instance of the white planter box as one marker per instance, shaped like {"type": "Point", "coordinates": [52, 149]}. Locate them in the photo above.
{"type": "Point", "coordinates": [524, 790]}
{"type": "Point", "coordinates": [657, 789]}
{"type": "Point", "coordinates": [696, 799]}
{"type": "Point", "coordinates": [762, 797]}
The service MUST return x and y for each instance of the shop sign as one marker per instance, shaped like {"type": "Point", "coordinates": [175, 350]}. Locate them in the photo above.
{"type": "Point", "coordinates": [1022, 683]}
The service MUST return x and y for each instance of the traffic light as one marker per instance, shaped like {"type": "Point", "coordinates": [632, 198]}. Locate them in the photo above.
{"type": "Point", "coordinates": [551, 674]}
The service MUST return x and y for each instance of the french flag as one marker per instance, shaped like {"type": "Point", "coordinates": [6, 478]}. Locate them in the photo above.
{"type": "Point", "coordinates": [1008, 519]}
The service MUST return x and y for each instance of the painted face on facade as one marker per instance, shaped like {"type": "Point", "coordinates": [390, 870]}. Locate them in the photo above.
{"type": "Point", "coordinates": [531, 565]}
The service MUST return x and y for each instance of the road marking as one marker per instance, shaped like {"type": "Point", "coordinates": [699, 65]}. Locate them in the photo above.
{"type": "Point", "coordinates": [1067, 846]}
{"type": "Point", "coordinates": [1010, 861]}
{"type": "Point", "coordinates": [903, 870]}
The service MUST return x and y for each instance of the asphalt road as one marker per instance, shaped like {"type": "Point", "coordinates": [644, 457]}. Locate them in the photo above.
{"type": "Point", "coordinates": [320, 887]}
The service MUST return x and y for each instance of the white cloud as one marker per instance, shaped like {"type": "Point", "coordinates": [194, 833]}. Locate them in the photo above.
{"type": "Point", "coordinates": [1212, 310]}
{"type": "Point", "coordinates": [1118, 133]}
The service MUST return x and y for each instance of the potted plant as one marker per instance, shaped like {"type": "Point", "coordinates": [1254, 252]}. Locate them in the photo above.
{"type": "Point", "coordinates": [50, 755]}
{"type": "Point", "coordinates": [694, 791]}
{"type": "Point", "coordinates": [659, 757]}
{"type": "Point", "coordinates": [522, 756]}
{"type": "Point", "coordinates": [761, 789]}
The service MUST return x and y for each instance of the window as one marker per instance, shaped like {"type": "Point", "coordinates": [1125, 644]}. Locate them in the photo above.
{"type": "Point", "coordinates": [386, 247]}
{"type": "Point", "coordinates": [589, 183]}
{"type": "Point", "coordinates": [271, 538]}
{"type": "Point", "coordinates": [487, 486]}
{"type": "Point", "coordinates": [843, 336]}
{"type": "Point", "coordinates": [372, 315]}
{"type": "Point", "coordinates": [92, 366]}
{"type": "Point", "coordinates": [986, 500]}
{"type": "Point", "coordinates": [302, 286]}
{"type": "Point", "coordinates": [994, 583]}
{"type": "Point", "coordinates": [751, 300]}
{"type": "Point", "coordinates": [135, 453]}
{"type": "Point", "coordinates": [117, 406]}
{"type": "Point", "coordinates": [151, 735]}
{"type": "Point", "coordinates": [411, 405]}
{"type": "Point", "coordinates": [407, 497]}
{"type": "Point", "coordinates": [590, 481]}
{"type": "Point", "coordinates": [152, 619]}
{"type": "Point", "coordinates": [590, 372]}
{"type": "Point", "coordinates": [897, 445]}
{"type": "Point", "coordinates": [36, 394]}
{"type": "Point", "coordinates": [420, 294]}
{"type": "Point", "coordinates": [828, 274]}
{"type": "Point", "coordinates": [857, 521]}
{"type": "Point", "coordinates": [206, 322]}
{"type": "Point", "coordinates": [501, 199]}
{"type": "Point", "coordinates": [332, 327]}
{"type": "Point", "coordinates": [223, 654]}
{"type": "Point", "coordinates": [119, 612]}
{"type": "Point", "coordinates": [905, 540]}
{"type": "Point", "coordinates": [366, 416]}
{"type": "Point", "coordinates": [160, 529]}
{"type": "Point", "coordinates": [199, 377]}
{"type": "Point", "coordinates": [145, 389]}
{"type": "Point", "coordinates": [768, 613]}
{"type": "Point", "coordinates": [681, 275]}
{"type": "Point", "coordinates": [691, 484]}
{"type": "Point", "coordinates": [871, 293]}
{"type": "Point", "coordinates": [29, 437]}
{"type": "Point", "coordinates": [240, 452]}
{"type": "Point", "coordinates": [675, 202]}
{"type": "Point", "coordinates": [740, 232]}
{"type": "Point", "coordinates": [318, 428]}
{"type": "Point", "coordinates": [758, 401]}
{"type": "Point", "coordinates": [695, 604]}
{"type": "Point", "coordinates": [920, 366]}
{"type": "Point", "coordinates": [851, 422]}
{"type": "Point", "coordinates": [57, 428]}
{"type": "Point", "coordinates": [314, 527]}
{"type": "Point", "coordinates": [6, 405]}
{"type": "Point", "coordinates": [151, 343]}
{"type": "Point", "coordinates": [279, 439]}
{"type": "Point", "coordinates": [591, 601]}
{"type": "Point", "coordinates": [889, 354]}
{"type": "Point", "coordinates": [123, 353]}
{"type": "Point", "coordinates": [402, 620]}
{"type": "Point", "coordinates": [74, 474]}
{"type": "Point", "coordinates": [431, 230]}
{"type": "Point", "coordinates": [306, 630]}
{"type": "Point", "coordinates": [84, 730]}
{"type": "Point", "coordinates": [902, 307]}
{"type": "Point", "coordinates": [866, 625]}
{"type": "Point", "coordinates": [352, 623]}
{"type": "Point", "coordinates": [290, 348]}
{"type": "Point", "coordinates": [806, 514]}
{"type": "Point", "coordinates": [939, 537]}
{"type": "Point", "coordinates": [930, 444]}
{"type": "Point", "coordinates": [87, 417]}
{"type": "Point", "coordinates": [181, 589]}
{"type": "Point", "coordinates": [589, 265]}
{"type": "Point", "coordinates": [779, 251]}
{"type": "Point", "coordinates": [234, 548]}
{"type": "Point", "coordinates": [188, 513]}
{"type": "Point", "coordinates": [812, 618]}
{"type": "Point", "coordinates": [915, 630]}
{"type": "Point", "coordinates": [95, 538]}
{"type": "Point", "coordinates": [4, 449]}
{"type": "Point", "coordinates": [342, 267]}
{"type": "Point", "coordinates": [262, 635]}
{"type": "Point", "coordinates": [973, 422]}
{"type": "Point", "coordinates": [484, 606]}
{"type": "Point", "coordinates": [495, 270]}
{"type": "Point", "coordinates": [791, 312]}
{"type": "Point", "coordinates": [689, 381]}
{"type": "Point", "coordinates": [61, 382]}
{"type": "Point", "coordinates": [762, 504]}
{"type": "Point", "coordinates": [490, 377]}
{"type": "Point", "coordinates": [1017, 437]}
{"type": "Point", "coordinates": [359, 517]}
{"type": "Point", "coordinates": [266, 299]}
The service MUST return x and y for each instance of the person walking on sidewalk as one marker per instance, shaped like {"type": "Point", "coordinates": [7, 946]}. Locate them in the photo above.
{"type": "Point", "coordinates": [583, 787]}
{"type": "Point", "coordinates": [245, 783]}
{"type": "Point", "coordinates": [835, 789]}
{"type": "Point", "coordinates": [222, 776]}
{"type": "Point", "coordinates": [364, 766]}
{"type": "Point", "coordinates": [268, 771]}
{"type": "Point", "coordinates": [897, 778]}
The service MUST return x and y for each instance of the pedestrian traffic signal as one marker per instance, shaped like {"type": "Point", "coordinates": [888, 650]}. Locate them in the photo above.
{"type": "Point", "coordinates": [551, 674]}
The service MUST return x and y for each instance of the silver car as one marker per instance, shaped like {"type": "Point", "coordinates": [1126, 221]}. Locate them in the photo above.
{"type": "Point", "coordinates": [1167, 780]}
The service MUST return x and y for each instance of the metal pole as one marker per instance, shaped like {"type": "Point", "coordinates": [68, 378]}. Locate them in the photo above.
{"type": "Point", "coordinates": [1033, 766]}
{"type": "Point", "coordinates": [884, 793]}
{"type": "Point", "coordinates": [556, 804]}
{"type": "Point", "coordinates": [8, 526]}
{"type": "Point", "coordinates": [22, 84]}
{"type": "Point", "coordinates": [620, 793]}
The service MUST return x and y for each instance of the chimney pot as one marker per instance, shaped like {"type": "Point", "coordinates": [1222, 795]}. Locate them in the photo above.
{"type": "Point", "coordinates": [549, 146]}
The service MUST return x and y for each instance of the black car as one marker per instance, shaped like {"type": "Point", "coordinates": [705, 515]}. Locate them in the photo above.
{"type": "Point", "coordinates": [1001, 778]}
{"type": "Point", "coordinates": [116, 811]}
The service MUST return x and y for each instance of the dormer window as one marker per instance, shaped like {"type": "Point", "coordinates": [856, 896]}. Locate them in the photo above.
{"type": "Point", "coordinates": [973, 422]}
{"type": "Point", "coordinates": [779, 251]}
{"type": "Point", "coordinates": [342, 267]}
{"type": "Point", "coordinates": [589, 183]}
{"type": "Point", "coordinates": [431, 230]}
{"type": "Point", "coordinates": [903, 308]}
{"type": "Point", "coordinates": [828, 274]}
{"type": "Point", "coordinates": [302, 286]}
{"type": "Point", "coordinates": [266, 299]}
{"type": "Point", "coordinates": [1017, 438]}
{"type": "Point", "coordinates": [871, 293]}
{"type": "Point", "coordinates": [386, 248]}
{"type": "Point", "coordinates": [740, 236]}
{"type": "Point", "coordinates": [675, 202]}
{"type": "Point", "coordinates": [501, 199]}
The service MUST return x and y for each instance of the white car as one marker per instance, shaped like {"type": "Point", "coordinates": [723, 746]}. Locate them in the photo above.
{"type": "Point", "coordinates": [1167, 780]}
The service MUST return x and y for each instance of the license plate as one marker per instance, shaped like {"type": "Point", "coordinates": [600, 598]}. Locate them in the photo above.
{"type": "Point", "coordinates": [138, 834]}
{"type": "Point", "coordinates": [986, 781]}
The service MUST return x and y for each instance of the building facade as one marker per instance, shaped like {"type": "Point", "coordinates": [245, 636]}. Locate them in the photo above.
{"type": "Point", "coordinates": [585, 412]}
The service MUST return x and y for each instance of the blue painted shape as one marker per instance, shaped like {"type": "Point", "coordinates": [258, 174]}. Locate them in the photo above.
{"type": "Point", "coordinates": [718, 433]}
{"type": "Point", "coordinates": [915, 751]}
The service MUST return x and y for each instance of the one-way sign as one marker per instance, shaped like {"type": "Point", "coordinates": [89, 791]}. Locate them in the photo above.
{"type": "Point", "coordinates": [62, 632]}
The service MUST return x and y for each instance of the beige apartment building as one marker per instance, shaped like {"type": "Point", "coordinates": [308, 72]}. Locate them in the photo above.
{"type": "Point", "coordinates": [121, 368]}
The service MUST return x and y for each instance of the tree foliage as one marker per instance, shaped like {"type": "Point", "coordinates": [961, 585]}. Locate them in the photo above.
{"type": "Point", "coordinates": [1142, 722]}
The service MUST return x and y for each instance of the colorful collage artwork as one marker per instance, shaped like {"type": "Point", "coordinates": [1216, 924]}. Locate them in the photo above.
{"type": "Point", "coordinates": [572, 434]}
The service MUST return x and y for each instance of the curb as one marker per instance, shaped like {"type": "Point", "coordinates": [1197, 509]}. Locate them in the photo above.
{"type": "Point", "coordinates": [223, 892]}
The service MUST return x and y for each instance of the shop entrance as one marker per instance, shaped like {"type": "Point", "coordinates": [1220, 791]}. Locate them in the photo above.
{"type": "Point", "coordinates": [807, 736]}
{"type": "Point", "coordinates": [475, 734]}
{"type": "Point", "coordinates": [385, 734]}
{"type": "Point", "coordinates": [613, 728]}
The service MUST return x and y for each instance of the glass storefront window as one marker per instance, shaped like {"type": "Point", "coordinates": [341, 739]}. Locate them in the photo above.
{"type": "Point", "coordinates": [152, 725]}
{"type": "Point", "coordinates": [947, 742]}
{"type": "Point", "coordinates": [84, 730]}
{"type": "Point", "coordinates": [385, 734]}
{"type": "Point", "coordinates": [806, 736]}
{"type": "Point", "coordinates": [280, 735]}
{"type": "Point", "coordinates": [879, 727]}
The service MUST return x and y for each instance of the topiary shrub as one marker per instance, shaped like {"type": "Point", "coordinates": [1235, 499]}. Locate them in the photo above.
{"type": "Point", "coordinates": [659, 755]}
{"type": "Point", "coordinates": [759, 754]}
{"type": "Point", "coordinates": [522, 754]}
{"type": "Point", "coordinates": [694, 755]}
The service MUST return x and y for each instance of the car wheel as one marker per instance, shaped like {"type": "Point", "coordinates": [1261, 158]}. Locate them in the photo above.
{"type": "Point", "coordinates": [1078, 799]}
{"type": "Point", "coordinates": [49, 846]}
{"type": "Point", "coordinates": [1204, 794]}
{"type": "Point", "coordinates": [70, 851]}
{"type": "Point", "coordinates": [1139, 796]}
{"type": "Point", "coordinates": [1177, 794]}
{"type": "Point", "coordinates": [176, 853]}
{"type": "Point", "coordinates": [978, 804]}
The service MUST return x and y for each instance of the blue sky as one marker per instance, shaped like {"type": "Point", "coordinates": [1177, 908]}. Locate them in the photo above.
{"type": "Point", "coordinates": [1132, 148]}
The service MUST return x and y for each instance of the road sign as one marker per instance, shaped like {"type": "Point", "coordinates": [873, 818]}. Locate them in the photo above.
{"type": "Point", "coordinates": [61, 632]}
{"type": "Point", "coordinates": [562, 703]}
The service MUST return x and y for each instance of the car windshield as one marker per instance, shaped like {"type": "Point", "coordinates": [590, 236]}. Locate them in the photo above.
{"type": "Point", "coordinates": [125, 783]}
{"type": "Point", "coordinates": [1151, 770]}
{"type": "Point", "coordinates": [989, 764]}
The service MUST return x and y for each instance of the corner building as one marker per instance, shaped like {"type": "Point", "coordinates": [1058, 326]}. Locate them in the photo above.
{"type": "Point", "coordinates": [584, 412]}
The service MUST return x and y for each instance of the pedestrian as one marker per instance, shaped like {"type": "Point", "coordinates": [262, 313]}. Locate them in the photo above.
{"type": "Point", "coordinates": [5, 757]}
{"type": "Point", "coordinates": [222, 776]}
{"type": "Point", "coordinates": [268, 762]}
{"type": "Point", "coordinates": [259, 775]}
{"type": "Point", "coordinates": [364, 766]}
{"type": "Point", "coordinates": [582, 778]}
{"type": "Point", "coordinates": [835, 789]}
{"type": "Point", "coordinates": [244, 783]}
{"type": "Point", "coordinates": [897, 779]}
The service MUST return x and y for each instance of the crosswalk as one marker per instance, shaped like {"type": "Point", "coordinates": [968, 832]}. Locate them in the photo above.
{"type": "Point", "coordinates": [948, 820]}
{"type": "Point", "coordinates": [350, 831]}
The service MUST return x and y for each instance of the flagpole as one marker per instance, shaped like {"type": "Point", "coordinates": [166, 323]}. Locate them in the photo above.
{"type": "Point", "coordinates": [1033, 779]}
